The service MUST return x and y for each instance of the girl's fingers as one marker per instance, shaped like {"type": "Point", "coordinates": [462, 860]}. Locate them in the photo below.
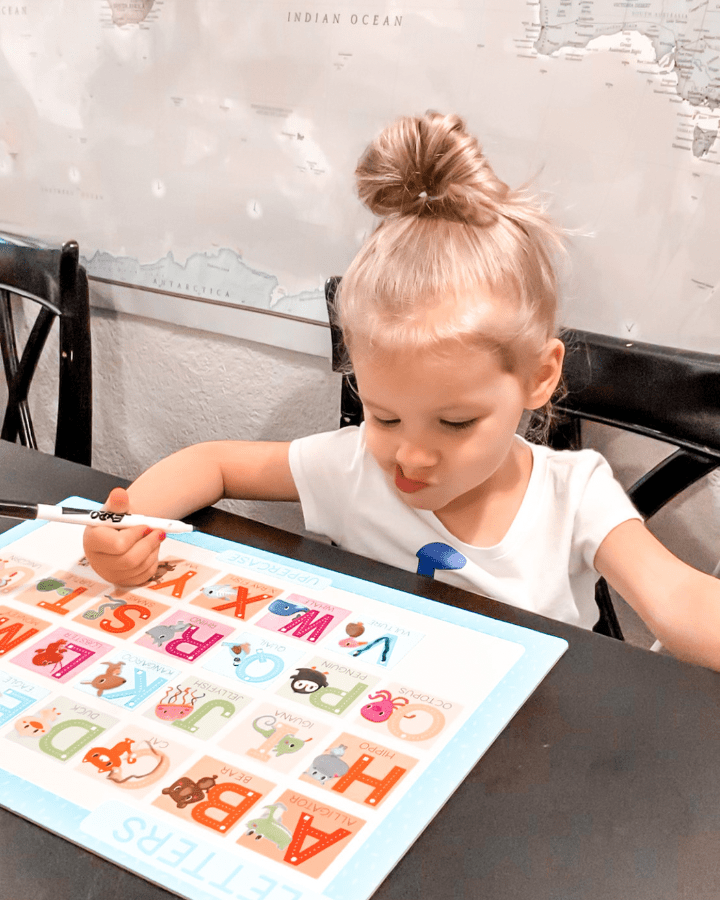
{"type": "Point", "coordinates": [136, 577]}
{"type": "Point", "coordinates": [141, 552]}
{"type": "Point", "coordinates": [126, 557]}
{"type": "Point", "coordinates": [118, 501]}
{"type": "Point", "coordinates": [119, 541]}
{"type": "Point", "coordinates": [127, 574]}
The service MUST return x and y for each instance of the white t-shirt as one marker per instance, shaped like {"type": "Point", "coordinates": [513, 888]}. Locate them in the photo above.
{"type": "Point", "coordinates": [543, 564]}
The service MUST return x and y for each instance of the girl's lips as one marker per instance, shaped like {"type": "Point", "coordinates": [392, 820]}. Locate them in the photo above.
{"type": "Point", "coordinates": [405, 484]}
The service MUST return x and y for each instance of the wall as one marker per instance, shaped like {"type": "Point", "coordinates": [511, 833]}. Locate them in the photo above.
{"type": "Point", "coordinates": [159, 387]}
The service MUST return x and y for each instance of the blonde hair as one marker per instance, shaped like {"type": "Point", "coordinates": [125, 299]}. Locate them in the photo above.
{"type": "Point", "coordinates": [451, 230]}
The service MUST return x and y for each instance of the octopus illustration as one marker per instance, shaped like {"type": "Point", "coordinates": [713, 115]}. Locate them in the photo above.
{"type": "Point", "coordinates": [383, 707]}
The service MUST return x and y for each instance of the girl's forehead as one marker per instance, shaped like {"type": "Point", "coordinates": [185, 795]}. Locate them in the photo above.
{"type": "Point", "coordinates": [449, 366]}
{"type": "Point", "coordinates": [439, 323]}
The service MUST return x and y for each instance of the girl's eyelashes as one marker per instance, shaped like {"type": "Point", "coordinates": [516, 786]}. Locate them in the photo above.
{"type": "Point", "coordinates": [459, 426]}
{"type": "Point", "coordinates": [453, 426]}
{"type": "Point", "coordinates": [386, 423]}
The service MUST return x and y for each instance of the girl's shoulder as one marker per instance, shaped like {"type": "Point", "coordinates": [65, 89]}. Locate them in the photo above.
{"type": "Point", "coordinates": [565, 458]}
{"type": "Point", "coordinates": [570, 466]}
{"type": "Point", "coordinates": [579, 486]}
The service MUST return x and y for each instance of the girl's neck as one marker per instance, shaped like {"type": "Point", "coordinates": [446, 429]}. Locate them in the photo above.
{"type": "Point", "coordinates": [482, 517]}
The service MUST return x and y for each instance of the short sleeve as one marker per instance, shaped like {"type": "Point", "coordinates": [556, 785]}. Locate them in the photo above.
{"type": "Point", "coordinates": [603, 505]}
{"type": "Point", "coordinates": [322, 467]}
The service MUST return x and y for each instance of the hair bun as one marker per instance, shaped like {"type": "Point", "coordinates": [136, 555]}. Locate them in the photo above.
{"type": "Point", "coordinates": [429, 166]}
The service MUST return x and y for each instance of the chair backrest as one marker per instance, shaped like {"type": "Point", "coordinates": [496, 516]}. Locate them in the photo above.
{"type": "Point", "coordinates": [55, 280]}
{"type": "Point", "coordinates": [664, 393]}
{"type": "Point", "coordinates": [351, 411]}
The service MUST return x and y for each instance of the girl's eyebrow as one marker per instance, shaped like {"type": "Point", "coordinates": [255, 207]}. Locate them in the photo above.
{"type": "Point", "coordinates": [470, 410]}
{"type": "Point", "coordinates": [376, 406]}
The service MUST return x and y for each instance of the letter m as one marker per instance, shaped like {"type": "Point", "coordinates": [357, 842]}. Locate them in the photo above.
{"type": "Point", "coordinates": [10, 636]}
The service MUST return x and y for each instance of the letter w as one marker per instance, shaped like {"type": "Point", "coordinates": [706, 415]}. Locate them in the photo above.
{"type": "Point", "coordinates": [306, 623]}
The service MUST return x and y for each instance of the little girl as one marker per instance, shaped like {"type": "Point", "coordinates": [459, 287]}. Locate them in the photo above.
{"type": "Point", "coordinates": [448, 312]}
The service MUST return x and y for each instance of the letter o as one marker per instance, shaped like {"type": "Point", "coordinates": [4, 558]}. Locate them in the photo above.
{"type": "Point", "coordinates": [438, 722]}
{"type": "Point", "coordinates": [277, 667]}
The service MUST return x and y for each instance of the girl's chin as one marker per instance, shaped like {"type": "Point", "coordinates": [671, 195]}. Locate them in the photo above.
{"type": "Point", "coordinates": [421, 500]}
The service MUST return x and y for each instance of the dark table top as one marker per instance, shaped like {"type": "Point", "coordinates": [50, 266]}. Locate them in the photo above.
{"type": "Point", "coordinates": [604, 786]}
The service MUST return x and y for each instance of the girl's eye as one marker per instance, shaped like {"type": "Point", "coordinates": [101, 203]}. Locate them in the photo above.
{"type": "Point", "coordinates": [458, 426]}
{"type": "Point", "coordinates": [386, 423]}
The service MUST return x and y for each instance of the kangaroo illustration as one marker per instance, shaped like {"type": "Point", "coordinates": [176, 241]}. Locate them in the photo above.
{"type": "Point", "coordinates": [109, 679]}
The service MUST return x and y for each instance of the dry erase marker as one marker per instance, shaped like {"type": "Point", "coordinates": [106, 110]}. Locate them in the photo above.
{"type": "Point", "coordinates": [74, 516]}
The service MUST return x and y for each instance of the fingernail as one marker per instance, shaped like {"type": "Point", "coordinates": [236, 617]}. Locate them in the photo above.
{"type": "Point", "coordinates": [162, 535]}
{"type": "Point", "coordinates": [147, 532]}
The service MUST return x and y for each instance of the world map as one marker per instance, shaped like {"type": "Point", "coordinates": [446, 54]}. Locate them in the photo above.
{"type": "Point", "coordinates": [204, 149]}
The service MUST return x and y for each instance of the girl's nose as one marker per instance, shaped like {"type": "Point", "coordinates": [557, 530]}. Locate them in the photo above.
{"type": "Point", "coordinates": [413, 456]}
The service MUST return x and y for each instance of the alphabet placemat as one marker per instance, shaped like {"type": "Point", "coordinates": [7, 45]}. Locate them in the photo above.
{"type": "Point", "coordinates": [242, 723]}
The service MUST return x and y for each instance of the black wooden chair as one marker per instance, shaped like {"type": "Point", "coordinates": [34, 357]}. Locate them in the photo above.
{"type": "Point", "coordinates": [55, 280]}
{"type": "Point", "coordinates": [351, 411]}
{"type": "Point", "coordinates": [663, 393]}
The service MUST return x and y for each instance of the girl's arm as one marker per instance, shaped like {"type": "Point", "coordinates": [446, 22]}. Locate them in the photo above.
{"type": "Point", "coordinates": [679, 604]}
{"type": "Point", "coordinates": [201, 475]}
{"type": "Point", "coordinates": [195, 477]}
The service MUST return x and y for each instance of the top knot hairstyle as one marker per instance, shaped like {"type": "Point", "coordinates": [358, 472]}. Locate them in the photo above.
{"type": "Point", "coordinates": [451, 234]}
{"type": "Point", "coordinates": [430, 167]}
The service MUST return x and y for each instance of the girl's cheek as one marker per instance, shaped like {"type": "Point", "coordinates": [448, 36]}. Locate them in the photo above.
{"type": "Point", "coordinates": [376, 445]}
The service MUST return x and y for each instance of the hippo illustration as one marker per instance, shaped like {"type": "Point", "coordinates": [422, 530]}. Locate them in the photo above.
{"type": "Point", "coordinates": [329, 765]}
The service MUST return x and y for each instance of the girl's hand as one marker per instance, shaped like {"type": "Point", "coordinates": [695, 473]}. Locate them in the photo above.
{"type": "Point", "coordinates": [127, 556]}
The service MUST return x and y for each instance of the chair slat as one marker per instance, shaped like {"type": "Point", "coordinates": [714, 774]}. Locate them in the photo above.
{"type": "Point", "coordinates": [54, 279]}
{"type": "Point", "coordinates": [669, 479]}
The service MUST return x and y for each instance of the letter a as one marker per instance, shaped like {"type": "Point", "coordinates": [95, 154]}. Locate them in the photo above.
{"type": "Point", "coordinates": [323, 839]}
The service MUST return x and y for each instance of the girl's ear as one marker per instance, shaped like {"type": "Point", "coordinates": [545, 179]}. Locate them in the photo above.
{"type": "Point", "coordinates": [546, 375]}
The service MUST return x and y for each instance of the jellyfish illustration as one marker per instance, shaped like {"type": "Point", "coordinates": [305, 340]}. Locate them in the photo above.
{"type": "Point", "coordinates": [177, 703]}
